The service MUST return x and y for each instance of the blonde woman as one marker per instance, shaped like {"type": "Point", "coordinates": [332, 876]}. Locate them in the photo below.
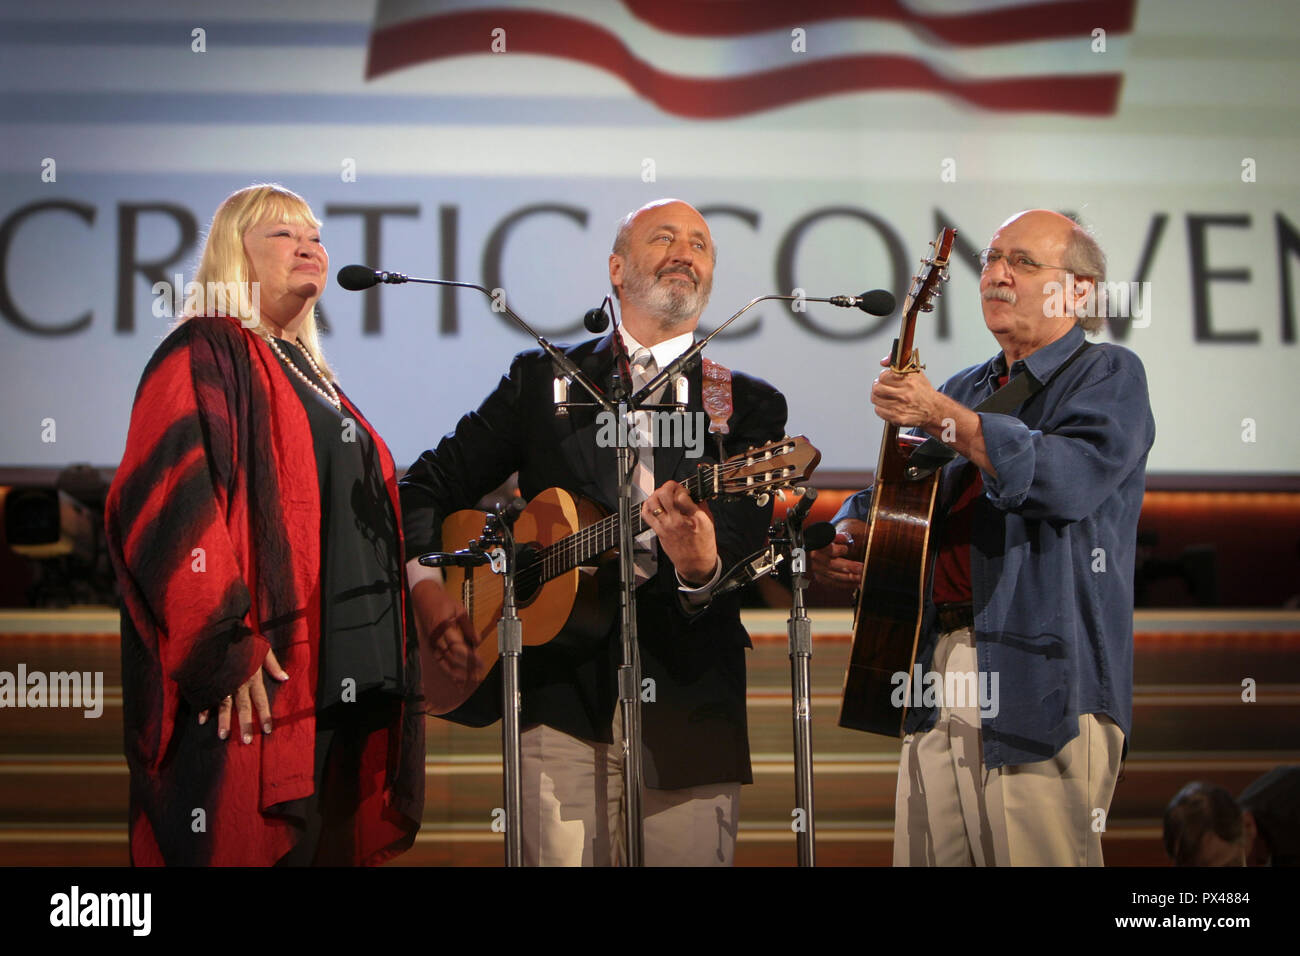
{"type": "Point", "coordinates": [269, 689]}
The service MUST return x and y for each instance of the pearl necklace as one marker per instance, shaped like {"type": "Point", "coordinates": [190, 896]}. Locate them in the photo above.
{"type": "Point", "coordinates": [328, 393]}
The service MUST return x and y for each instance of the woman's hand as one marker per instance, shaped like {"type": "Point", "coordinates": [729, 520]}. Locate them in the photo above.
{"type": "Point", "coordinates": [250, 696]}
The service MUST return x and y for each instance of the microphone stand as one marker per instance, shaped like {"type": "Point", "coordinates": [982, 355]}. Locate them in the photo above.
{"type": "Point", "coordinates": [496, 546]}
{"type": "Point", "coordinates": [629, 672]}
{"type": "Point", "coordinates": [799, 631]}
{"type": "Point", "coordinates": [510, 642]}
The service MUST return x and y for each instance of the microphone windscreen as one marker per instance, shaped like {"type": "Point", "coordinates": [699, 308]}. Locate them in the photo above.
{"type": "Point", "coordinates": [877, 302]}
{"type": "Point", "coordinates": [817, 536]}
{"type": "Point", "coordinates": [356, 278]}
{"type": "Point", "coordinates": [596, 320]}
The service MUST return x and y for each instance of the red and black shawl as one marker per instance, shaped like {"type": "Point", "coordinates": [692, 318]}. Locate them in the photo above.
{"type": "Point", "coordinates": [214, 530]}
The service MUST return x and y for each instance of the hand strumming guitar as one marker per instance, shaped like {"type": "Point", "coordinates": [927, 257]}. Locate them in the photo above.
{"type": "Point", "coordinates": [447, 642]}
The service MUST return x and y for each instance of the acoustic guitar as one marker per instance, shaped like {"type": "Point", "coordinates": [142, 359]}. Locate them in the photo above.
{"type": "Point", "coordinates": [891, 597]}
{"type": "Point", "coordinates": [562, 538]}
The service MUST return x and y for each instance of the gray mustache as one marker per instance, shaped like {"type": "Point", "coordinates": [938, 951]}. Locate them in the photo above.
{"type": "Point", "coordinates": [1001, 295]}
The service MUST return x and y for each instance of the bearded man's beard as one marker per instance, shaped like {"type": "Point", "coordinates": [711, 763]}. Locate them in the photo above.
{"type": "Point", "coordinates": [670, 302]}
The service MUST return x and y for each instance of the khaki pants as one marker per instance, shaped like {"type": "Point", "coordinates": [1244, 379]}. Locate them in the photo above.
{"type": "Point", "coordinates": [573, 814]}
{"type": "Point", "coordinates": [951, 811]}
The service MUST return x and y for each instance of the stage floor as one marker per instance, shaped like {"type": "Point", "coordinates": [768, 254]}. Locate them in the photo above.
{"type": "Point", "coordinates": [63, 781]}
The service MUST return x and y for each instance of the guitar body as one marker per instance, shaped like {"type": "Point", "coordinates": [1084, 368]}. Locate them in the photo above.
{"type": "Point", "coordinates": [891, 599]}
{"type": "Point", "coordinates": [545, 609]}
{"type": "Point", "coordinates": [891, 596]}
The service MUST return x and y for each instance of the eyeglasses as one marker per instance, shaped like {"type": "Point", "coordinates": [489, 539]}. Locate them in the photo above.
{"type": "Point", "coordinates": [1020, 263]}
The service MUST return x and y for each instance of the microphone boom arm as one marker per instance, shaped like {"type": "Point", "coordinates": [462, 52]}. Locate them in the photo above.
{"type": "Point", "coordinates": [683, 361]}
{"type": "Point", "coordinates": [566, 365]}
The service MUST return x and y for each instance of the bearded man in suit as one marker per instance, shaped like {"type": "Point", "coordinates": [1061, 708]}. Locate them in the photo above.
{"type": "Point", "coordinates": [695, 748]}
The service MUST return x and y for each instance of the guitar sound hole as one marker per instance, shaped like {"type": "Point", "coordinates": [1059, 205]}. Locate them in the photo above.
{"type": "Point", "coordinates": [527, 584]}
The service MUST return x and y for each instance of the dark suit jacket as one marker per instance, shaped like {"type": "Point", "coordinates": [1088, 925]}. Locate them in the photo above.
{"type": "Point", "coordinates": [694, 732]}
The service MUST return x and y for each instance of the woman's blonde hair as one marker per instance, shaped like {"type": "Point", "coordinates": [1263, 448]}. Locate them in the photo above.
{"type": "Point", "coordinates": [223, 267]}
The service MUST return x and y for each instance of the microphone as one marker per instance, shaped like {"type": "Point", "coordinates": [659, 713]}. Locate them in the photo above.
{"type": "Point", "coordinates": [794, 518]}
{"type": "Point", "coordinates": [358, 278]}
{"type": "Point", "coordinates": [875, 302]}
{"type": "Point", "coordinates": [748, 571]}
{"type": "Point", "coordinates": [597, 320]}
{"type": "Point", "coordinates": [510, 510]}
{"type": "Point", "coordinates": [469, 558]}
{"type": "Point", "coordinates": [817, 536]}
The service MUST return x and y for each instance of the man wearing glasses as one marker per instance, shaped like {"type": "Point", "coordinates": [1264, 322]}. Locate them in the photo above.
{"type": "Point", "coordinates": [1031, 592]}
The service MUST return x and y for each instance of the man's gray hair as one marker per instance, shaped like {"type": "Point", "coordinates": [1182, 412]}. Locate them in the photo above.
{"type": "Point", "coordinates": [621, 237]}
{"type": "Point", "coordinates": [1084, 258]}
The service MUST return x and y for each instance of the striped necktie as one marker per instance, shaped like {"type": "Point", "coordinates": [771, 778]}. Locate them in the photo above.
{"type": "Point", "coordinates": [643, 476]}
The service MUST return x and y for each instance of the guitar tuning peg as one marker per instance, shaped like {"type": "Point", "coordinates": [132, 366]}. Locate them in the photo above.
{"type": "Point", "coordinates": [763, 499]}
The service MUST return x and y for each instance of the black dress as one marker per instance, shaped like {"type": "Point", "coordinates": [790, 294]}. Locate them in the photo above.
{"type": "Point", "coordinates": [360, 665]}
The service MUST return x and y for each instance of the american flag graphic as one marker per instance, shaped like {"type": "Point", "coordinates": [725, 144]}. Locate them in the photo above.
{"type": "Point", "coordinates": [714, 59]}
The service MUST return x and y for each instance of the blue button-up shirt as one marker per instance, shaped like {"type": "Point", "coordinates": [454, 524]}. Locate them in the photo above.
{"type": "Point", "coordinates": [1053, 545]}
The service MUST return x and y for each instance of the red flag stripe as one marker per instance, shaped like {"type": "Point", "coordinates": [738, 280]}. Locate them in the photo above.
{"type": "Point", "coordinates": [455, 34]}
{"type": "Point", "coordinates": [1033, 21]}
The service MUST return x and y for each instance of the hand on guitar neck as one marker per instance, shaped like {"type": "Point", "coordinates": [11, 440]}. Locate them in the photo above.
{"type": "Point", "coordinates": [908, 399]}
{"type": "Point", "coordinates": [685, 531]}
{"type": "Point", "coordinates": [838, 566]}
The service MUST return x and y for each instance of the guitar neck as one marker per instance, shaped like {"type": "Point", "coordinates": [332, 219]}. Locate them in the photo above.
{"type": "Point", "coordinates": [586, 545]}
{"type": "Point", "coordinates": [925, 288]}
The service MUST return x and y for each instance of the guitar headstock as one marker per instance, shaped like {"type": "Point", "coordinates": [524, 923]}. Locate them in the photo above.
{"type": "Point", "coordinates": [934, 271]}
{"type": "Point", "coordinates": [761, 470]}
{"type": "Point", "coordinates": [920, 298]}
